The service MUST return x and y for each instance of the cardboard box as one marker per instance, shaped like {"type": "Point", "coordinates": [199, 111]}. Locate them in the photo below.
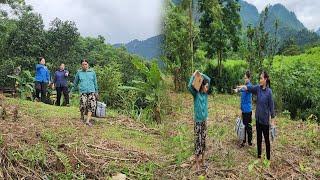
{"type": "Point", "coordinates": [197, 81]}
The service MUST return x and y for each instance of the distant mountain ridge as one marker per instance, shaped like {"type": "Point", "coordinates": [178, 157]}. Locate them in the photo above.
{"type": "Point", "coordinates": [318, 31]}
{"type": "Point", "coordinates": [289, 26]}
{"type": "Point", "coordinates": [149, 48]}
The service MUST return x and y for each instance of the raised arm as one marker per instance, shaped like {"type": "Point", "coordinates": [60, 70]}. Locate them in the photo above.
{"type": "Point", "coordinates": [207, 78]}
{"type": "Point", "coordinates": [249, 88]}
{"type": "Point", "coordinates": [190, 87]}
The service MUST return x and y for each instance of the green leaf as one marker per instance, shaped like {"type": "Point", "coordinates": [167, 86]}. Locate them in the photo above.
{"type": "Point", "coordinates": [140, 66]}
{"type": "Point", "coordinates": [251, 165]}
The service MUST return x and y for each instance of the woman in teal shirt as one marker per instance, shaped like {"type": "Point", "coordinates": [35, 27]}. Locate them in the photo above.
{"type": "Point", "coordinates": [86, 80]}
{"type": "Point", "coordinates": [200, 116]}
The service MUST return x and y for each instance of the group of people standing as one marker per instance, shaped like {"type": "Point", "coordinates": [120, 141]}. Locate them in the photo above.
{"type": "Point", "coordinates": [264, 113]}
{"type": "Point", "coordinates": [85, 80]}
{"type": "Point", "coordinates": [43, 81]}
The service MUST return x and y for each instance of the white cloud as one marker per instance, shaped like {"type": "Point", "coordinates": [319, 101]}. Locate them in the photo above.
{"type": "Point", "coordinates": [307, 11]}
{"type": "Point", "coordinates": [116, 20]}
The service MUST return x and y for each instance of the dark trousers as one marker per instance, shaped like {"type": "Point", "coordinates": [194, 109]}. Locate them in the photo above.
{"type": "Point", "coordinates": [247, 120]}
{"type": "Point", "coordinates": [65, 92]}
{"type": "Point", "coordinates": [263, 129]}
{"type": "Point", "coordinates": [41, 88]}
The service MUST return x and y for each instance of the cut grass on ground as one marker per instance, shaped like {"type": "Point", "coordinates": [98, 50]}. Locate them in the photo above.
{"type": "Point", "coordinates": [51, 141]}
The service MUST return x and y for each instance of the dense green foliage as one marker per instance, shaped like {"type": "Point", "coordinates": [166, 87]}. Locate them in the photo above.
{"type": "Point", "coordinates": [220, 27]}
{"type": "Point", "coordinates": [177, 52]}
{"type": "Point", "coordinates": [232, 75]}
{"type": "Point", "coordinates": [296, 83]}
{"type": "Point", "coordinates": [151, 87]}
{"type": "Point", "coordinates": [24, 39]}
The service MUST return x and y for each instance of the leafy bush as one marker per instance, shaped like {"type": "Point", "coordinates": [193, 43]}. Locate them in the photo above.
{"type": "Point", "coordinates": [24, 84]}
{"type": "Point", "coordinates": [296, 84]}
{"type": "Point", "coordinates": [150, 87]}
{"type": "Point", "coordinates": [232, 75]}
{"type": "Point", "coordinates": [109, 79]}
{"type": "Point", "coordinates": [6, 67]}
{"type": "Point", "coordinates": [294, 80]}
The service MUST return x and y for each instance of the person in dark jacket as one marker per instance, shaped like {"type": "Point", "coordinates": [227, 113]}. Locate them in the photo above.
{"type": "Point", "coordinates": [264, 110]}
{"type": "Point", "coordinates": [42, 80]}
{"type": "Point", "coordinates": [61, 84]}
{"type": "Point", "coordinates": [246, 109]}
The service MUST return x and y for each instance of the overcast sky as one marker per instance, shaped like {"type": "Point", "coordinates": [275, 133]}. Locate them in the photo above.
{"type": "Point", "coordinates": [125, 20]}
{"type": "Point", "coordinates": [307, 11]}
{"type": "Point", "coordinates": [117, 20]}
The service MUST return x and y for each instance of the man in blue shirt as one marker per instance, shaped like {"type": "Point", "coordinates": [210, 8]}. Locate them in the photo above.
{"type": "Point", "coordinates": [61, 84]}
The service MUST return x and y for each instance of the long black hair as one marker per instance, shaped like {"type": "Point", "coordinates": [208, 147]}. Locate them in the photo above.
{"type": "Point", "coordinates": [266, 76]}
{"type": "Point", "coordinates": [248, 74]}
{"type": "Point", "coordinates": [84, 60]}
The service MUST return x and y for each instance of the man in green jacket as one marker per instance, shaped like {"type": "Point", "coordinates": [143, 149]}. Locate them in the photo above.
{"type": "Point", "coordinates": [200, 115]}
{"type": "Point", "coordinates": [86, 81]}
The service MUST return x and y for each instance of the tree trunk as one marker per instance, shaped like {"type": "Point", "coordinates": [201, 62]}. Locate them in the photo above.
{"type": "Point", "coordinates": [179, 79]}
{"type": "Point", "coordinates": [156, 114]}
{"type": "Point", "coordinates": [220, 63]}
{"type": "Point", "coordinates": [191, 35]}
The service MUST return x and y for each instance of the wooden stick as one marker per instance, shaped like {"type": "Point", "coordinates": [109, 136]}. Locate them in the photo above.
{"type": "Point", "coordinates": [80, 161]}
{"type": "Point", "coordinates": [112, 158]}
{"type": "Point", "coordinates": [35, 173]}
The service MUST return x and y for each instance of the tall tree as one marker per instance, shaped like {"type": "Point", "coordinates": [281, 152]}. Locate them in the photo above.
{"type": "Point", "coordinates": [187, 5]}
{"type": "Point", "coordinates": [176, 45]}
{"type": "Point", "coordinates": [28, 39]}
{"type": "Point", "coordinates": [61, 38]}
{"type": "Point", "coordinates": [219, 27]}
{"type": "Point", "coordinates": [250, 47]}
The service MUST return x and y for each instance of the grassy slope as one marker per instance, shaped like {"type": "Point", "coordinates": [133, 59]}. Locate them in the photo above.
{"type": "Point", "coordinates": [51, 141]}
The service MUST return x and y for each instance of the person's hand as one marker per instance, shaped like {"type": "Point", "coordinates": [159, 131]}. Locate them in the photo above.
{"type": "Point", "coordinates": [236, 90]}
{"type": "Point", "coordinates": [196, 72]}
{"type": "Point", "coordinates": [242, 87]}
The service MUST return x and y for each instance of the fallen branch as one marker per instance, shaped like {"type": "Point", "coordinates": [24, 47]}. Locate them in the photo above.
{"type": "Point", "coordinates": [113, 158]}
{"type": "Point", "coordinates": [80, 161]}
{"type": "Point", "coordinates": [99, 147]}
